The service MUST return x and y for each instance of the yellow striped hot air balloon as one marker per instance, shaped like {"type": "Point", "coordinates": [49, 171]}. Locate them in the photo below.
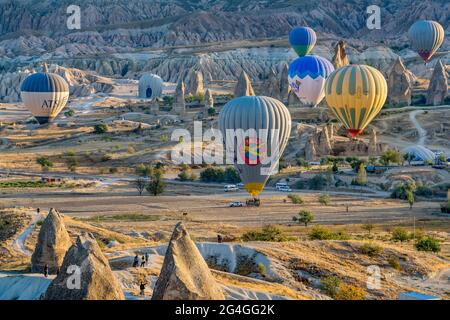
{"type": "Point", "coordinates": [356, 94]}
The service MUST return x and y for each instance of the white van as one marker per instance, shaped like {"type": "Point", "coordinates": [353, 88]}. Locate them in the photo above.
{"type": "Point", "coordinates": [230, 188]}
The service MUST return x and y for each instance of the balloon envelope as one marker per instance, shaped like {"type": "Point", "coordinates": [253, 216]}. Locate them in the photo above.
{"type": "Point", "coordinates": [45, 95]}
{"type": "Point", "coordinates": [426, 37]}
{"type": "Point", "coordinates": [356, 94]}
{"type": "Point", "coordinates": [302, 40]}
{"type": "Point", "coordinates": [150, 86]}
{"type": "Point", "coordinates": [307, 76]}
{"type": "Point", "coordinates": [255, 157]}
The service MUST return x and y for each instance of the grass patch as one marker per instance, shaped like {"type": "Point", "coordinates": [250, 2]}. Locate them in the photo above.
{"type": "Point", "coordinates": [121, 217]}
{"type": "Point", "coordinates": [322, 233]}
{"type": "Point", "coordinates": [27, 184]}
{"type": "Point", "coordinates": [268, 233]}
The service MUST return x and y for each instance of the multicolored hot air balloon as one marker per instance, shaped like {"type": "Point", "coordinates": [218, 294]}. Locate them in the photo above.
{"type": "Point", "coordinates": [150, 86]}
{"type": "Point", "coordinates": [426, 37]}
{"type": "Point", "coordinates": [45, 95]}
{"type": "Point", "coordinates": [307, 76]}
{"type": "Point", "coordinates": [252, 152]}
{"type": "Point", "coordinates": [302, 40]}
{"type": "Point", "coordinates": [356, 94]}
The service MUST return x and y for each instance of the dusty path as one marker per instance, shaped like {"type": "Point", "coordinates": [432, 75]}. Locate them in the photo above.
{"type": "Point", "coordinates": [19, 243]}
{"type": "Point", "coordinates": [422, 132]}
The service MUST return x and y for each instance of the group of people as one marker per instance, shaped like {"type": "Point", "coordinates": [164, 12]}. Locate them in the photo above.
{"type": "Point", "coordinates": [140, 262]}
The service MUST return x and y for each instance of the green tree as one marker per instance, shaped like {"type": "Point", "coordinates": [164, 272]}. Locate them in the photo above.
{"type": "Point", "coordinates": [156, 185]}
{"type": "Point", "coordinates": [304, 217]}
{"type": "Point", "coordinates": [45, 163]}
{"type": "Point", "coordinates": [410, 198]}
{"type": "Point", "coordinates": [143, 170]}
{"type": "Point", "coordinates": [100, 128]}
{"type": "Point", "coordinates": [140, 185]}
{"type": "Point", "coordinates": [324, 199]}
{"type": "Point", "coordinates": [408, 157]}
{"type": "Point", "coordinates": [318, 182]}
{"type": "Point", "coordinates": [390, 156]}
{"type": "Point", "coordinates": [211, 111]}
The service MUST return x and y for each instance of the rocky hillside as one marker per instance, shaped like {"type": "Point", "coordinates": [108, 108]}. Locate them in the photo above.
{"type": "Point", "coordinates": [32, 27]}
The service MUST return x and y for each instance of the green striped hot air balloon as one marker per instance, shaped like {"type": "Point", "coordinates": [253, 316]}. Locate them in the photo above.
{"type": "Point", "coordinates": [356, 94]}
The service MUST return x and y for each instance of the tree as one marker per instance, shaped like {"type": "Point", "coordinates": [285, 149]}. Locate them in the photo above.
{"type": "Point", "coordinates": [368, 227]}
{"type": "Point", "coordinates": [408, 157]}
{"type": "Point", "coordinates": [361, 178]}
{"type": "Point", "coordinates": [324, 199]}
{"type": "Point", "coordinates": [211, 111]}
{"type": "Point", "coordinates": [156, 185]}
{"type": "Point", "coordinates": [441, 159]}
{"type": "Point", "coordinates": [45, 163]}
{"type": "Point", "coordinates": [305, 217]}
{"type": "Point", "coordinates": [100, 128]}
{"type": "Point", "coordinates": [144, 170]}
{"type": "Point", "coordinates": [410, 198]}
{"type": "Point", "coordinates": [390, 156]}
{"type": "Point", "coordinates": [318, 182]}
{"type": "Point", "coordinates": [72, 164]}
{"type": "Point", "coordinates": [140, 185]}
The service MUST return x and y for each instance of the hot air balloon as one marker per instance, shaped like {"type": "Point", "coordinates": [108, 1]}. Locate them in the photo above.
{"type": "Point", "coordinates": [45, 95]}
{"type": "Point", "coordinates": [426, 37]}
{"type": "Point", "coordinates": [356, 94]}
{"type": "Point", "coordinates": [302, 40]}
{"type": "Point", "coordinates": [252, 152]}
{"type": "Point", "coordinates": [307, 76]}
{"type": "Point", "coordinates": [150, 86]}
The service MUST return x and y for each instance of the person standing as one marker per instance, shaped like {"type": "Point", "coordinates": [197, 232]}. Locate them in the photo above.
{"type": "Point", "coordinates": [46, 270]}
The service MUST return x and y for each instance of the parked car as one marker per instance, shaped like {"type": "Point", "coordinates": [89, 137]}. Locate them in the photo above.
{"type": "Point", "coordinates": [230, 188]}
{"type": "Point", "coordinates": [236, 204]}
{"type": "Point", "coordinates": [240, 185]}
{"type": "Point", "coordinates": [284, 189]}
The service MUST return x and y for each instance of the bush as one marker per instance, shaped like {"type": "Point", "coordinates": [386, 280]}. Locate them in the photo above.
{"type": "Point", "coordinates": [424, 191]}
{"type": "Point", "coordinates": [371, 249]}
{"type": "Point", "coordinates": [350, 292]}
{"type": "Point", "coordinates": [322, 233]}
{"type": "Point", "coordinates": [394, 262]}
{"type": "Point", "coordinates": [318, 182]}
{"type": "Point", "coordinates": [268, 233]}
{"type": "Point", "coordinates": [100, 128]}
{"type": "Point", "coordinates": [295, 199]}
{"type": "Point", "coordinates": [324, 199]}
{"type": "Point", "coordinates": [445, 208]}
{"type": "Point", "coordinates": [213, 174]}
{"type": "Point", "coordinates": [402, 190]}
{"type": "Point", "coordinates": [330, 285]}
{"type": "Point", "coordinates": [428, 244]}
{"type": "Point", "coordinates": [262, 269]}
{"type": "Point", "coordinates": [44, 162]}
{"type": "Point", "coordinates": [400, 234]}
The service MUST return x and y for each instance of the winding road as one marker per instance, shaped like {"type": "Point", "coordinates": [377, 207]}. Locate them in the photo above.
{"type": "Point", "coordinates": [422, 132]}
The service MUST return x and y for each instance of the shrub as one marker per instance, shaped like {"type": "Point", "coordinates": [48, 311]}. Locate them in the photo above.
{"type": "Point", "coordinates": [44, 162]}
{"type": "Point", "coordinates": [268, 233]}
{"type": "Point", "coordinates": [322, 233]}
{"type": "Point", "coordinates": [100, 128]}
{"type": "Point", "coordinates": [428, 244]}
{"type": "Point", "coordinates": [318, 182]}
{"type": "Point", "coordinates": [390, 156]}
{"type": "Point", "coordinates": [368, 227]}
{"type": "Point", "coordinates": [394, 262]}
{"type": "Point", "coordinates": [262, 268]}
{"type": "Point", "coordinates": [69, 113]}
{"type": "Point", "coordinates": [445, 208]}
{"type": "Point", "coordinates": [402, 190]}
{"type": "Point", "coordinates": [371, 249]}
{"type": "Point", "coordinates": [330, 285]}
{"type": "Point", "coordinates": [295, 199]}
{"type": "Point", "coordinates": [400, 234]}
{"type": "Point", "coordinates": [324, 199]}
{"type": "Point", "coordinates": [350, 292]}
{"type": "Point", "coordinates": [211, 111]}
{"type": "Point", "coordinates": [106, 157]}
{"type": "Point", "coordinates": [424, 191]}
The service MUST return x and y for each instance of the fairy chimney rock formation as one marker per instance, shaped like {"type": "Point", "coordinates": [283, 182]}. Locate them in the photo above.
{"type": "Point", "coordinates": [179, 103]}
{"type": "Point", "coordinates": [399, 85]}
{"type": "Point", "coordinates": [284, 84]}
{"type": "Point", "coordinates": [373, 144]}
{"type": "Point", "coordinates": [243, 86]}
{"type": "Point", "coordinates": [437, 90]}
{"type": "Point", "coordinates": [273, 85]}
{"type": "Point", "coordinates": [310, 149]}
{"type": "Point", "coordinates": [340, 57]}
{"type": "Point", "coordinates": [293, 100]}
{"type": "Point", "coordinates": [52, 243]}
{"type": "Point", "coordinates": [85, 275]}
{"type": "Point", "coordinates": [185, 274]}
{"type": "Point", "coordinates": [209, 101]}
{"type": "Point", "coordinates": [324, 142]}
{"type": "Point", "coordinates": [194, 84]}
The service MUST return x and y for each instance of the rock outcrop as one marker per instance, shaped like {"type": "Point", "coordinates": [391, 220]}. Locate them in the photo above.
{"type": "Point", "coordinates": [373, 145]}
{"type": "Point", "coordinates": [293, 100]}
{"type": "Point", "coordinates": [52, 244]}
{"type": "Point", "coordinates": [340, 57]}
{"type": "Point", "coordinates": [399, 85]}
{"type": "Point", "coordinates": [185, 274]}
{"type": "Point", "coordinates": [310, 149]}
{"type": "Point", "coordinates": [179, 102]}
{"type": "Point", "coordinates": [194, 83]}
{"type": "Point", "coordinates": [209, 101]}
{"type": "Point", "coordinates": [437, 90]}
{"type": "Point", "coordinates": [285, 89]}
{"type": "Point", "coordinates": [85, 275]}
{"type": "Point", "coordinates": [243, 86]}
{"type": "Point", "coordinates": [324, 142]}
{"type": "Point", "coordinates": [272, 88]}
